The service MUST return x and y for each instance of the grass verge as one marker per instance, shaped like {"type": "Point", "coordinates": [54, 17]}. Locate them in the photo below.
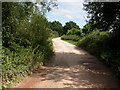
{"type": "Point", "coordinates": [71, 41]}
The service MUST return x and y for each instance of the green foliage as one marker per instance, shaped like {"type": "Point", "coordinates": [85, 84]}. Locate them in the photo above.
{"type": "Point", "coordinates": [16, 64]}
{"type": "Point", "coordinates": [70, 37]}
{"type": "Point", "coordinates": [104, 15]}
{"type": "Point", "coordinates": [46, 6]}
{"type": "Point", "coordinates": [13, 14]}
{"type": "Point", "coordinates": [25, 41]}
{"type": "Point", "coordinates": [104, 45]}
{"type": "Point", "coordinates": [95, 40]}
{"type": "Point", "coordinates": [56, 26]}
{"type": "Point", "coordinates": [72, 42]}
{"type": "Point", "coordinates": [54, 34]}
{"type": "Point", "coordinates": [69, 25]}
{"type": "Point", "coordinates": [74, 31]}
{"type": "Point", "coordinates": [100, 44]}
{"type": "Point", "coordinates": [88, 28]}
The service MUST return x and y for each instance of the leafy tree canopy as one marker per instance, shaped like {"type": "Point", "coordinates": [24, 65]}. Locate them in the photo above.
{"type": "Point", "coordinates": [104, 15]}
{"type": "Point", "coordinates": [88, 28]}
{"type": "Point", "coordinates": [69, 25]}
{"type": "Point", "coordinates": [56, 26]}
{"type": "Point", "coordinates": [74, 31]}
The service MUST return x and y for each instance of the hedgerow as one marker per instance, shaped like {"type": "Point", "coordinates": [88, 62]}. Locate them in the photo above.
{"type": "Point", "coordinates": [103, 45]}
{"type": "Point", "coordinates": [25, 43]}
{"type": "Point", "coordinates": [70, 37]}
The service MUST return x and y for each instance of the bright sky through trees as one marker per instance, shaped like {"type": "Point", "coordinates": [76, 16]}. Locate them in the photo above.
{"type": "Point", "coordinates": [68, 10]}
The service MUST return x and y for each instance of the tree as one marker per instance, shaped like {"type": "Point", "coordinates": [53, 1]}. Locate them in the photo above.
{"type": "Point", "coordinates": [13, 14]}
{"type": "Point", "coordinates": [105, 15]}
{"type": "Point", "coordinates": [74, 31]}
{"type": "Point", "coordinates": [46, 5]}
{"type": "Point", "coordinates": [25, 41]}
{"type": "Point", "coordinates": [69, 25]}
{"type": "Point", "coordinates": [88, 28]}
{"type": "Point", "coordinates": [57, 26]}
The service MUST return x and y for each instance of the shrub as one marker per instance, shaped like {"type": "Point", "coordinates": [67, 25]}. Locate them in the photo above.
{"type": "Point", "coordinates": [54, 34]}
{"type": "Point", "coordinates": [95, 40]}
{"type": "Point", "coordinates": [25, 45]}
{"type": "Point", "coordinates": [74, 31]}
{"type": "Point", "coordinates": [70, 37]}
{"type": "Point", "coordinates": [100, 43]}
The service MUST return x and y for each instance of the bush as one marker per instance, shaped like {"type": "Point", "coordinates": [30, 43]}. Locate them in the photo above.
{"type": "Point", "coordinates": [74, 31]}
{"type": "Point", "coordinates": [15, 64]}
{"type": "Point", "coordinates": [54, 34]}
{"type": "Point", "coordinates": [70, 37]}
{"type": "Point", "coordinates": [95, 40]}
{"type": "Point", "coordinates": [25, 41]}
{"type": "Point", "coordinates": [100, 44]}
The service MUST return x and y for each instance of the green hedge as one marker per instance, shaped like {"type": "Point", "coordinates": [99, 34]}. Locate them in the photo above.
{"type": "Point", "coordinates": [104, 46]}
{"type": "Point", "coordinates": [70, 37]}
{"type": "Point", "coordinates": [54, 34]}
{"type": "Point", "coordinates": [25, 42]}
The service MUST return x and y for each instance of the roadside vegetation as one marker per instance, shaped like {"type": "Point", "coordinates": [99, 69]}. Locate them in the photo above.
{"type": "Point", "coordinates": [100, 36]}
{"type": "Point", "coordinates": [27, 34]}
{"type": "Point", "coordinates": [99, 44]}
{"type": "Point", "coordinates": [70, 37]}
{"type": "Point", "coordinates": [25, 40]}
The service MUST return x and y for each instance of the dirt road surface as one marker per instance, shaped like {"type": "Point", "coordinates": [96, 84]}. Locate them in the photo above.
{"type": "Point", "coordinates": [71, 67]}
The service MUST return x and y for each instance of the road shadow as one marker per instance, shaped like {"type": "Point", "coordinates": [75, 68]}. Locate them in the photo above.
{"type": "Point", "coordinates": [79, 70]}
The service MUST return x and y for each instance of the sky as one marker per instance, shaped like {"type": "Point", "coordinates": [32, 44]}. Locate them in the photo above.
{"type": "Point", "coordinates": [68, 10]}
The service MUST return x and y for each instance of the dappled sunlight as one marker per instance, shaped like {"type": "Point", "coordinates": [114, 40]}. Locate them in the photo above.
{"type": "Point", "coordinates": [43, 42]}
{"type": "Point", "coordinates": [77, 74]}
{"type": "Point", "coordinates": [72, 67]}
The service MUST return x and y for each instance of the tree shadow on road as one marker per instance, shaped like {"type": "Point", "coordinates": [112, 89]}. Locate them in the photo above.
{"type": "Point", "coordinates": [78, 70]}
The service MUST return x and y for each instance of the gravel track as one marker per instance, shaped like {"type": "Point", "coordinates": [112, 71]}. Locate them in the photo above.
{"type": "Point", "coordinates": [71, 67]}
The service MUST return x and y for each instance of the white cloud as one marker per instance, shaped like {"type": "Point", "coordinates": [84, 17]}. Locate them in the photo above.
{"type": "Point", "coordinates": [70, 10]}
{"type": "Point", "coordinates": [70, 0]}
